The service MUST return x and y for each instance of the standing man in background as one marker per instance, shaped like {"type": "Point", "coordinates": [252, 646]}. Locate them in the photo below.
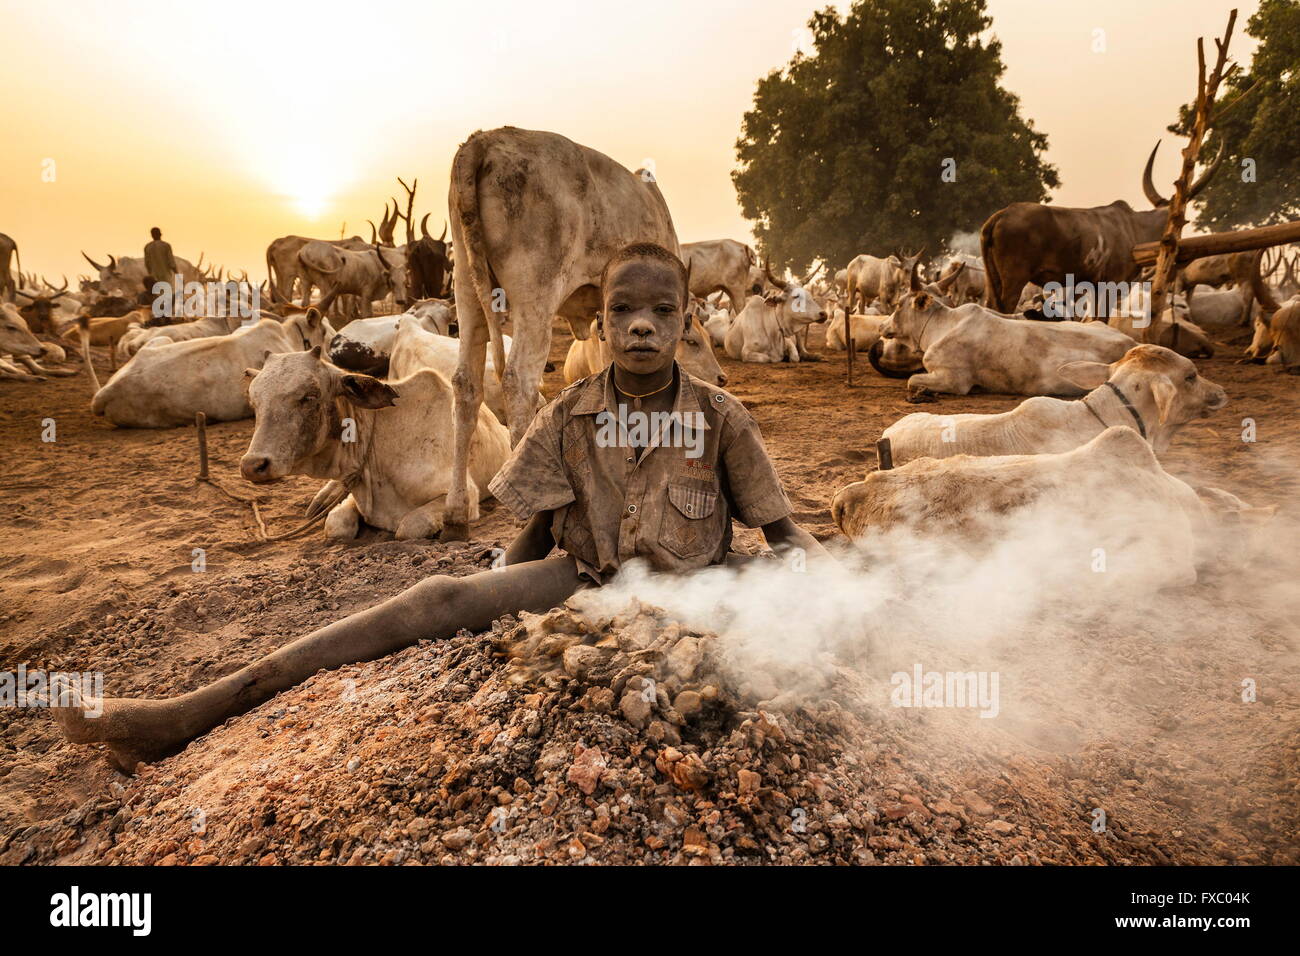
{"type": "Point", "coordinates": [160, 265]}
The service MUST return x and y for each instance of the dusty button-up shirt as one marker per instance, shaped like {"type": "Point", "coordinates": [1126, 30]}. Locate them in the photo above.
{"type": "Point", "coordinates": [159, 261]}
{"type": "Point", "coordinates": [671, 504]}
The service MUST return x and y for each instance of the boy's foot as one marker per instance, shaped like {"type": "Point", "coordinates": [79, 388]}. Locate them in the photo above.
{"type": "Point", "coordinates": [135, 731]}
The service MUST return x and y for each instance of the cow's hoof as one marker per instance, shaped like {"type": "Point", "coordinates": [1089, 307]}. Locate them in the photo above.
{"type": "Point", "coordinates": [921, 398]}
{"type": "Point", "coordinates": [454, 531]}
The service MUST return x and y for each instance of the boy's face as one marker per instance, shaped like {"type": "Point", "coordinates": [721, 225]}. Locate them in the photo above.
{"type": "Point", "coordinates": [644, 315]}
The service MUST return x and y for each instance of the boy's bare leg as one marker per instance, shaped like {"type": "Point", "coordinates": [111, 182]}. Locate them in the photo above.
{"type": "Point", "coordinates": [435, 608]}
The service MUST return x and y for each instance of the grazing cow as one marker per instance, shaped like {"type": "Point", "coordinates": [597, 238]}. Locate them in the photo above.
{"type": "Point", "coordinates": [869, 277]}
{"type": "Point", "coordinates": [973, 346]}
{"type": "Point", "coordinates": [723, 265]}
{"type": "Point", "coordinates": [370, 275]}
{"type": "Point", "coordinates": [1151, 389]}
{"type": "Point", "coordinates": [366, 344]}
{"type": "Point", "coordinates": [282, 267]}
{"type": "Point", "coordinates": [165, 386]}
{"type": "Point", "coordinates": [694, 354]}
{"type": "Point", "coordinates": [1041, 243]}
{"type": "Point", "coordinates": [1277, 329]}
{"type": "Point", "coordinates": [1109, 497]}
{"type": "Point", "coordinates": [397, 471]}
{"type": "Point", "coordinates": [512, 192]}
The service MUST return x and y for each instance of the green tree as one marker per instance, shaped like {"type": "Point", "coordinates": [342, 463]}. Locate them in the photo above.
{"type": "Point", "coordinates": [1263, 128]}
{"type": "Point", "coordinates": [844, 149]}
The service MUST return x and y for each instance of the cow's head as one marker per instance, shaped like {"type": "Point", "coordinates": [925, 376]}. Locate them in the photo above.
{"type": "Point", "coordinates": [307, 330]}
{"type": "Point", "coordinates": [300, 403]}
{"type": "Point", "coordinates": [109, 276]}
{"type": "Point", "coordinates": [913, 314]}
{"type": "Point", "coordinates": [1163, 386]}
{"type": "Point", "coordinates": [695, 350]}
{"type": "Point", "coordinates": [393, 262]}
{"type": "Point", "coordinates": [40, 307]}
{"type": "Point", "coordinates": [795, 304]}
{"type": "Point", "coordinates": [15, 337]}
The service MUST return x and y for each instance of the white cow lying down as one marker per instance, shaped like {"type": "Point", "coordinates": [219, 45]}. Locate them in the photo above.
{"type": "Point", "coordinates": [415, 346]}
{"type": "Point", "coordinates": [1162, 390]}
{"type": "Point", "coordinates": [1108, 501]}
{"type": "Point", "coordinates": [366, 345]}
{"type": "Point", "coordinates": [166, 385]}
{"type": "Point", "coordinates": [973, 346]}
{"type": "Point", "coordinates": [398, 468]}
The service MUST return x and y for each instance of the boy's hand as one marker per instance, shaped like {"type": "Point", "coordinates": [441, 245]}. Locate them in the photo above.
{"type": "Point", "coordinates": [785, 534]}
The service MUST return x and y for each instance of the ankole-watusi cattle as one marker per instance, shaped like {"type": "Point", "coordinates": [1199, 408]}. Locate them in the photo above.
{"type": "Point", "coordinates": [1151, 389]}
{"type": "Point", "coordinates": [694, 355]}
{"type": "Point", "coordinates": [397, 471]}
{"type": "Point", "coordinates": [1108, 500]}
{"type": "Point", "coordinates": [165, 386]}
{"type": "Point", "coordinates": [512, 192]}
{"type": "Point", "coordinates": [1041, 243]}
{"type": "Point", "coordinates": [723, 265]}
{"type": "Point", "coordinates": [973, 346]}
{"type": "Point", "coordinates": [369, 274]}
{"type": "Point", "coordinates": [282, 268]}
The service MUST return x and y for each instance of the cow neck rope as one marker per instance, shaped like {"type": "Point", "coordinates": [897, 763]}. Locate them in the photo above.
{"type": "Point", "coordinates": [1142, 430]}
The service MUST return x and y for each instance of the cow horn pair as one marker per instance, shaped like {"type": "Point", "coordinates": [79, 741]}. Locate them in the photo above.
{"type": "Point", "coordinates": [1153, 195]}
{"type": "Point", "coordinates": [111, 267]}
{"type": "Point", "coordinates": [767, 271]}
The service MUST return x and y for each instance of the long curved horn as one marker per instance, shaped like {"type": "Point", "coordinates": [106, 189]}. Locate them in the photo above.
{"type": "Point", "coordinates": [914, 280]}
{"type": "Point", "coordinates": [1206, 176]}
{"type": "Point", "coordinates": [813, 274]}
{"type": "Point", "coordinates": [767, 271]}
{"type": "Point", "coordinates": [946, 282]}
{"type": "Point", "coordinates": [443, 237]}
{"type": "Point", "coordinates": [1148, 187]}
{"type": "Point", "coordinates": [424, 225]}
{"type": "Point", "coordinates": [374, 237]}
{"type": "Point", "coordinates": [112, 262]}
{"type": "Point", "coordinates": [1262, 292]}
{"type": "Point", "coordinates": [97, 266]}
{"type": "Point", "coordinates": [199, 265]}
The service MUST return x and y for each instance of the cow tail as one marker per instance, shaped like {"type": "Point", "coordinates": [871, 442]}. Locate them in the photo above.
{"type": "Point", "coordinates": [992, 280]}
{"type": "Point", "coordinates": [473, 246]}
{"type": "Point", "coordinates": [18, 261]}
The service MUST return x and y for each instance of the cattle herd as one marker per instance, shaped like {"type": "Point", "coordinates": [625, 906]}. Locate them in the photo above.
{"type": "Point", "coordinates": [386, 369]}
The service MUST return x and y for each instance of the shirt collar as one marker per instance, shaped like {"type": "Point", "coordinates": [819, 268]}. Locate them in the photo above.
{"type": "Point", "coordinates": [598, 396]}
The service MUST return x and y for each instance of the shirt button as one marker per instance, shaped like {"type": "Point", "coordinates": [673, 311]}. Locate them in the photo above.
{"type": "Point", "coordinates": [631, 509]}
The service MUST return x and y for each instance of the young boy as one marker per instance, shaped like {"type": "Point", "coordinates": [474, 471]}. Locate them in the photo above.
{"type": "Point", "coordinates": [637, 461]}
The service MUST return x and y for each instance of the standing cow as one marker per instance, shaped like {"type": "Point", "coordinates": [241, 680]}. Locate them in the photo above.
{"type": "Point", "coordinates": [723, 265]}
{"type": "Point", "coordinates": [513, 192]}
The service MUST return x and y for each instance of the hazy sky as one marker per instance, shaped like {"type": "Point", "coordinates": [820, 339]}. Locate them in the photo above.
{"type": "Point", "coordinates": [228, 124]}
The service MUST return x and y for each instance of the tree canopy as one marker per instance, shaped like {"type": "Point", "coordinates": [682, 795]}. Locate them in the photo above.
{"type": "Point", "coordinates": [1264, 129]}
{"type": "Point", "coordinates": [846, 149]}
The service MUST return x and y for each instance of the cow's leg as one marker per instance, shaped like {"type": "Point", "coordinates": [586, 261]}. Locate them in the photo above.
{"type": "Point", "coordinates": [467, 388]}
{"type": "Point", "coordinates": [434, 609]}
{"type": "Point", "coordinates": [531, 320]}
{"type": "Point", "coordinates": [426, 521]}
{"type": "Point", "coordinates": [344, 520]}
{"type": "Point", "coordinates": [924, 385]}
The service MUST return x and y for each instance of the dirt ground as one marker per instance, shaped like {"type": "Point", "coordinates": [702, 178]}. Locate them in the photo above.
{"type": "Point", "coordinates": [96, 551]}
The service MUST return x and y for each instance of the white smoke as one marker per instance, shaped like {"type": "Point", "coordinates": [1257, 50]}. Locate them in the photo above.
{"type": "Point", "coordinates": [964, 243]}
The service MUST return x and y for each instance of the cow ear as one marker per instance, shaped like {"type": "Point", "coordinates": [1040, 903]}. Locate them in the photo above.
{"type": "Point", "coordinates": [922, 300]}
{"type": "Point", "coordinates": [1165, 393]}
{"type": "Point", "coordinates": [367, 391]}
{"type": "Point", "coordinates": [1087, 375]}
{"type": "Point", "coordinates": [313, 317]}
{"type": "Point", "coordinates": [250, 374]}
{"type": "Point", "coordinates": [315, 351]}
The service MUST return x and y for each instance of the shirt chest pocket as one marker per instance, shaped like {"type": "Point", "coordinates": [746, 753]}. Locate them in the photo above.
{"type": "Point", "coordinates": [692, 522]}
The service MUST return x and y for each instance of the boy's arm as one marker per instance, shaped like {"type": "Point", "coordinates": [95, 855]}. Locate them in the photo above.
{"type": "Point", "coordinates": [534, 542]}
{"type": "Point", "coordinates": [783, 534]}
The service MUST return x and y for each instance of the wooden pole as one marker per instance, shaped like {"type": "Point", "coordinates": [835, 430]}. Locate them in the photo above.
{"type": "Point", "coordinates": [1167, 256]}
{"type": "Point", "coordinates": [1240, 240]}
{"type": "Point", "coordinates": [201, 425]}
{"type": "Point", "coordinates": [848, 342]}
{"type": "Point", "coordinates": [884, 454]}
